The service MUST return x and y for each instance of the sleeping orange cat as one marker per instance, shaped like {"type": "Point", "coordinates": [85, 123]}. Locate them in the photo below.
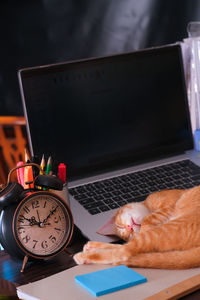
{"type": "Point", "coordinates": [161, 232]}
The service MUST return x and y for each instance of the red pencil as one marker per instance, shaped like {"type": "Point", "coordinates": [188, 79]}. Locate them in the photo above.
{"type": "Point", "coordinates": [62, 172]}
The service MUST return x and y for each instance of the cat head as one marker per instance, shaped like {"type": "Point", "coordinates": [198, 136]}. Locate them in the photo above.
{"type": "Point", "coordinates": [126, 221]}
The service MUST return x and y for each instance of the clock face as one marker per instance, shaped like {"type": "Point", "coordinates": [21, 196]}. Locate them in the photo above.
{"type": "Point", "coordinates": [42, 224]}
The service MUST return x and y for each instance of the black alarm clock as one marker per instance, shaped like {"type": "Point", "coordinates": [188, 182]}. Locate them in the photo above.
{"type": "Point", "coordinates": [34, 223]}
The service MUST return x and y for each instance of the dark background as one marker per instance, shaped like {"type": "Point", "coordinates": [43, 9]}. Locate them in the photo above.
{"type": "Point", "coordinates": [47, 31]}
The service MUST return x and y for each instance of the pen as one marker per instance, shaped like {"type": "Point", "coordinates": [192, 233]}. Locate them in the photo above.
{"type": "Point", "coordinates": [62, 172]}
{"type": "Point", "coordinates": [28, 177]}
{"type": "Point", "coordinates": [20, 173]}
{"type": "Point", "coordinates": [28, 173]}
{"type": "Point", "coordinates": [49, 165]}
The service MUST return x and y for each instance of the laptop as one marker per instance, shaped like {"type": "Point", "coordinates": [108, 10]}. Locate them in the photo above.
{"type": "Point", "coordinates": [120, 123]}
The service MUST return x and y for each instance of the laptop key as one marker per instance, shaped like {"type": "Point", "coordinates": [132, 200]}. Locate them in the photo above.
{"type": "Point", "coordinates": [91, 194]}
{"type": "Point", "coordinates": [107, 195]}
{"type": "Point", "coordinates": [126, 190]}
{"type": "Point", "coordinates": [195, 177]}
{"type": "Point", "coordinates": [119, 187]}
{"type": "Point", "coordinates": [135, 194]}
{"type": "Point", "coordinates": [109, 189]}
{"type": "Point", "coordinates": [89, 187]}
{"type": "Point", "coordinates": [73, 192]}
{"type": "Point", "coordinates": [121, 203]}
{"type": "Point", "coordinates": [108, 201]}
{"type": "Point", "coordinates": [94, 211]}
{"type": "Point", "coordinates": [98, 185]}
{"type": "Point", "coordinates": [127, 196]}
{"type": "Point", "coordinates": [81, 189]}
{"type": "Point", "coordinates": [104, 208]}
{"type": "Point", "coordinates": [117, 198]}
{"type": "Point", "coordinates": [86, 201]}
{"type": "Point", "coordinates": [98, 197]}
{"type": "Point", "coordinates": [100, 191]}
{"type": "Point", "coordinates": [81, 197]}
{"type": "Point", "coordinates": [107, 183]}
{"type": "Point", "coordinates": [90, 205]}
{"type": "Point", "coordinates": [139, 199]}
{"type": "Point", "coordinates": [117, 193]}
{"type": "Point", "coordinates": [113, 205]}
{"type": "Point", "coordinates": [144, 191]}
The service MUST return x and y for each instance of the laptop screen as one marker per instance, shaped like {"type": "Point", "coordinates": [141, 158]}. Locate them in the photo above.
{"type": "Point", "coordinates": [108, 112]}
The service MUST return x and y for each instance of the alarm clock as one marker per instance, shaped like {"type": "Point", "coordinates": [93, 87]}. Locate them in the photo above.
{"type": "Point", "coordinates": [34, 223]}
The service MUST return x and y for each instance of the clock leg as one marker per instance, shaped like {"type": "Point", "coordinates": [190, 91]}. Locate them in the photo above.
{"type": "Point", "coordinates": [24, 263]}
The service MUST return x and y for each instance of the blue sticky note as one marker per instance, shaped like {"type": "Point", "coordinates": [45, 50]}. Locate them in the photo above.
{"type": "Point", "coordinates": [110, 280]}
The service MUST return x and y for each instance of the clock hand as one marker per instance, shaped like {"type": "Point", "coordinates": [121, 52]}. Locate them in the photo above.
{"type": "Point", "coordinates": [38, 216]}
{"type": "Point", "coordinates": [31, 220]}
{"type": "Point", "coordinates": [25, 218]}
{"type": "Point", "coordinates": [49, 215]}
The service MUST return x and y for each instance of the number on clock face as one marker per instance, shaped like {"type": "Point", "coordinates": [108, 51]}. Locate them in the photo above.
{"type": "Point", "coordinates": [42, 224]}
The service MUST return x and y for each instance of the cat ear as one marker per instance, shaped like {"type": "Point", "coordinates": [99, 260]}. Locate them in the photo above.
{"type": "Point", "coordinates": [108, 228]}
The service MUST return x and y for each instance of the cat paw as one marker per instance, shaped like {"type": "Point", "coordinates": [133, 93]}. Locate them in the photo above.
{"type": "Point", "coordinates": [88, 246]}
{"type": "Point", "coordinates": [93, 245]}
{"type": "Point", "coordinates": [80, 259]}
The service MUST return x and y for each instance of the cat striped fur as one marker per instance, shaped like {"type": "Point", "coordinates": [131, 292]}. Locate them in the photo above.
{"type": "Point", "coordinates": [168, 238]}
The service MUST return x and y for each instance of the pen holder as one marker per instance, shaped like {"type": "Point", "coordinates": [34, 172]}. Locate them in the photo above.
{"type": "Point", "coordinates": [64, 193]}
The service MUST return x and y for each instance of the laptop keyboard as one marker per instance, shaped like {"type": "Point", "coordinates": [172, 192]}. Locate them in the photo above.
{"type": "Point", "coordinates": [115, 192]}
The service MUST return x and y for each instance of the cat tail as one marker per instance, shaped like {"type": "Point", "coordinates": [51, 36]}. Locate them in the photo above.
{"type": "Point", "coordinates": [166, 260]}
